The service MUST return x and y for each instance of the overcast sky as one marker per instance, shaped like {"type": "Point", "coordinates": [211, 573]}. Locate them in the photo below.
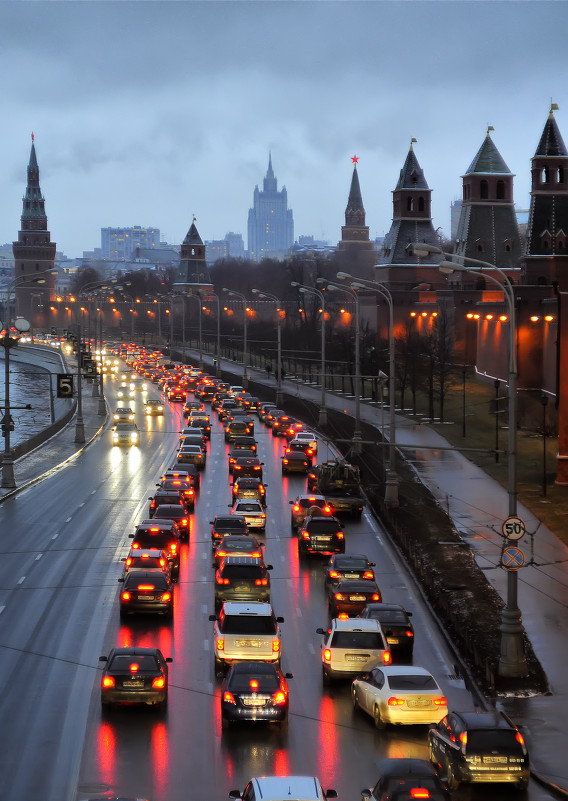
{"type": "Point", "coordinates": [146, 113]}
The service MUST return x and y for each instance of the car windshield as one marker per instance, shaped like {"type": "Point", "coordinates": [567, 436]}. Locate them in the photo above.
{"type": "Point", "coordinates": [412, 682]}
{"type": "Point", "coordinates": [248, 624]}
{"type": "Point", "coordinates": [323, 525]}
{"type": "Point", "coordinates": [389, 617]}
{"type": "Point", "coordinates": [266, 683]}
{"type": "Point", "coordinates": [122, 663]}
{"type": "Point", "coordinates": [126, 427]}
{"type": "Point", "coordinates": [406, 783]}
{"type": "Point", "coordinates": [368, 640]}
{"type": "Point", "coordinates": [132, 580]}
{"type": "Point", "coordinates": [350, 564]}
{"type": "Point", "coordinates": [168, 510]}
{"type": "Point", "coordinates": [307, 503]}
{"type": "Point", "coordinates": [248, 507]}
{"type": "Point", "coordinates": [250, 572]}
{"type": "Point", "coordinates": [484, 740]}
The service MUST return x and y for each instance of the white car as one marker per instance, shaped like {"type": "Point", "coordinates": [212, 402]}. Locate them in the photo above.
{"type": "Point", "coordinates": [125, 434]}
{"type": "Point", "coordinates": [307, 438]}
{"type": "Point", "coordinates": [400, 695]}
{"type": "Point", "coordinates": [252, 512]}
{"type": "Point", "coordinates": [246, 631]}
{"type": "Point", "coordinates": [277, 788]}
{"type": "Point", "coordinates": [352, 647]}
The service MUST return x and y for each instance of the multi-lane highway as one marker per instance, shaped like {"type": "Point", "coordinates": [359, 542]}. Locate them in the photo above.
{"type": "Point", "coordinates": [62, 544]}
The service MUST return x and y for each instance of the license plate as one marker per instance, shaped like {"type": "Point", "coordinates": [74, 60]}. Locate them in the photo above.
{"type": "Point", "coordinates": [146, 597]}
{"type": "Point", "coordinates": [351, 575]}
{"type": "Point", "coordinates": [253, 701]}
{"type": "Point", "coordinates": [247, 643]}
{"type": "Point", "coordinates": [322, 540]}
{"type": "Point", "coordinates": [356, 597]}
{"type": "Point", "coordinates": [393, 640]}
{"type": "Point", "coordinates": [356, 657]}
{"type": "Point", "coordinates": [494, 760]}
{"type": "Point", "coordinates": [418, 702]}
{"type": "Point", "coordinates": [132, 683]}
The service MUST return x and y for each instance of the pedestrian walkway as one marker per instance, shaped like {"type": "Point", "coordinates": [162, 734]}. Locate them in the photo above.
{"type": "Point", "coordinates": [478, 505]}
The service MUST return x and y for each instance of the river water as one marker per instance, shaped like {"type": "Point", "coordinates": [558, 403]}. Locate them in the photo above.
{"type": "Point", "coordinates": [28, 385]}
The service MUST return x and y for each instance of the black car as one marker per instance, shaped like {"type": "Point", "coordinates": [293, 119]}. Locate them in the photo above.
{"type": "Point", "coordinates": [135, 676]}
{"type": "Point", "coordinates": [249, 443]}
{"type": "Point", "coordinates": [351, 596]}
{"type": "Point", "coordinates": [320, 535]}
{"type": "Point", "coordinates": [237, 545]}
{"type": "Point", "coordinates": [222, 525]}
{"type": "Point", "coordinates": [177, 513]}
{"type": "Point", "coordinates": [298, 446]}
{"type": "Point", "coordinates": [186, 467]}
{"type": "Point", "coordinates": [171, 497]}
{"type": "Point", "coordinates": [163, 535]}
{"type": "Point", "coordinates": [237, 428]}
{"type": "Point", "coordinates": [257, 692]}
{"type": "Point", "coordinates": [479, 747]}
{"type": "Point", "coordinates": [399, 777]}
{"type": "Point", "coordinates": [146, 591]}
{"type": "Point", "coordinates": [240, 453]}
{"type": "Point", "coordinates": [296, 462]}
{"type": "Point", "coordinates": [395, 622]}
{"type": "Point", "coordinates": [242, 578]}
{"type": "Point", "coordinates": [187, 472]}
{"type": "Point", "coordinates": [182, 486]}
{"type": "Point", "coordinates": [349, 566]}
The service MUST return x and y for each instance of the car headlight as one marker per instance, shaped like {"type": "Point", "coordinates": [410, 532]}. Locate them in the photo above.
{"type": "Point", "coordinates": [134, 437]}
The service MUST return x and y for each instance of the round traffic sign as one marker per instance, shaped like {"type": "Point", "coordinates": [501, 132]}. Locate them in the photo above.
{"type": "Point", "coordinates": [513, 558]}
{"type": "Point", "coordinates": [513, 528]}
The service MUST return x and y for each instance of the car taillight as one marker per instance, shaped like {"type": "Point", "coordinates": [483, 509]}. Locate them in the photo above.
{"type": "Point", "coordinates": [183, 521]}
{"type": "Point", "coordinates": [394, 701]}
{"type": "Point", "coordinates": [285, 461]}
{"type": "Point", "coordinates": [220, 554]}
{"type": "Point", "coordinates": [135, 546]}
{"type": "Point", "coordinates": [173, 547]}
{"type": "Point", "coordinates": [263, 582]}
{"type": "Point", "coordinates": [221, 580]}
{"type": "Point", "coordinates": [279, 698]}
{"type": "Point", "coordinates": [441, 701]}
{"type": "Point", "coordinates": [257, 467]}
{"type": "Point", "coordinates": [333, 574]}
{"type": "Point", "coordinates": [220, 643]}
{"type": "Point", "coordinates": [108, 681]}
{"type": "Point", "coordinates": [263, 516]}
{"type": "Point", "coordinates": [387, 658]}
{"type": "Point", "coordinates": [275, 646]}
{"type": "Point", "coordinates": [125, 596]}
{"type": "Point", "coordinates": [163, 562]}
{"type": "Point", "coordinates": [327, 655]}
{"type": "Point", "coordinates": [158, 683]}
{"type": "Point", "coordinates": [145, 587]}
{"type": "Point", "coordinates": [519, 738]}
{"type": "Point", "coordinates": [338, 596]}
{"type": "Point", "coordinates": [228, 697]}
{"type": "Point", "coordinates": [166, 596]}
{"type": "Point", "coordinates": [343, 616]}
{"type": "Point", "coordinates": [368, 574]}
{"type": "Point", "coordinates": [128, 562]}
{"type": "Point", "coordinates": [295, 508]}
{"type": "Point", "coordinates": [376, 596]}
{"type": "Point", "coordinates": [340, 535]}
{"type": "Point", "coordinates": [419, 792]}
{"type": "Point", "coordinates": [305, 535]}
{"type": "Point", "coordinates": [463, 739]}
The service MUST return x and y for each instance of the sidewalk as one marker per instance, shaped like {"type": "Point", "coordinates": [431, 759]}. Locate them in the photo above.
{"type": "Point", "coordinates": [478, 505]}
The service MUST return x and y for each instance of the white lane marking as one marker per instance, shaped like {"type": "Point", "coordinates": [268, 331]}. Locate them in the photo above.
{"type": "Point", "coordinates": [21, 580]}
{"type": "Point", "coordinates": [81, 504]}
{"type": "Point", "coordinates": [55, 536]}
{"type": "Point", "coordinates": [2, 609]}
{"type": "Point", "coordinates": [93, 492]}
{"type": "Point", "coordinates": [69, 519]}
{"type": "Point", "coordinates": [206, 645]}
{"type": "Point", "coordinates": [38, 557]}
{"type": "Point", "coordinates": [298, 612]}
{"type": "Point", "coordinates": [203, 609]}
{"type": "Point", "coordinates": [204, 556]}
{"type": "Point", "coordinates": [311, 648]}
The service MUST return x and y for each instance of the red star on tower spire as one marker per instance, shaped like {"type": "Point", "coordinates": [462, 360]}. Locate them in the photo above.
{"type": "Point", "coordinates": [354, 159]}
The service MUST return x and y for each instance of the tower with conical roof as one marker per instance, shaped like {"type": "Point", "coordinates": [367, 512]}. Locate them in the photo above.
{"type": "Point", "coordinates": [546, 255]}
{"type": "Point", "coordinates": [192, 270]}
{"type": "Point", "coordinates": [270, 221]}
{"type": "Point", "coordinates": [355, 250]}
{"type": "Point", "coordinates": [34, 253]}
{"type": "Point", "coordinates": [487, 227]}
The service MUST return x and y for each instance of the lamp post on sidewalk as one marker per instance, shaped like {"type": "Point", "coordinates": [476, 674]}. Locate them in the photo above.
{"type": "Point", "coordinates": [322, 420]}
{"type": "Point", "coordinates": [512, 662]}
{"type": "Point", "coordinates": [391, 481]}
{"type": "Point", "coordinates": [218, 351]}
{"type": "Point", "coordinates": [269, 296]}
{"type": "Point", "coordinates": [234, 294]}
{"type": "Point", "coordinates": [7, 342]}
{"type": "Point", "coordinates": [197, 296]}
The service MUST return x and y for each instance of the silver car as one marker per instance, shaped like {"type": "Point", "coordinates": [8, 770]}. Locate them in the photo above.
{"type": "Point", "coordinates": [252, 512]}
{"type": "Point", "coordinates": [246, 631]}
{"type": "Point", "coordinates": [351, 647]}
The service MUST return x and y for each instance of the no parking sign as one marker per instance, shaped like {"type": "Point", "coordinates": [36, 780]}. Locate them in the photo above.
{"type": "Point", "coordinates": [513, 558]}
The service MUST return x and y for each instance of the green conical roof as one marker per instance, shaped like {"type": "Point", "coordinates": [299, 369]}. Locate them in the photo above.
{"type": "Point", "coordinates": [488, 160]}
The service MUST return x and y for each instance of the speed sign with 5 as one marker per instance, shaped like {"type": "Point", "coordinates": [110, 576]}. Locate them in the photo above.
{"type": "Point", "coordinates": [513, 528]}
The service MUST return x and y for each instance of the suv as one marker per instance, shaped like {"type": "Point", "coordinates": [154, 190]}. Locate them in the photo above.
{"type": "Point", "coordinates": [226, 524]}
{"type": "Point", "coordinates": [351, 647]}
{"type": "Point", "coordinates": [237, 428]}
{"type": "Point", "coordinates": [277, 788]}
{"type": "Point", "coordinates": [320, 535]}
{"type": "Point", "coordinates": [247, 466]}
{"type": "Point", "coordinates": [249, 488]}
{"type": "Point", "coordinates": [168, 496]}
{"type": "Point", "coordinates": [246, 631]}
{"type": "Point", "coordinates": [242, 578]}
{"type": "Point", "coordinates": [201, 421]}
{"type": "Point", "coordinates": [479, 747]}
{"type": "Point", "coordinates": [158, 534]}
{"type": "Point", "coordinates": [396, 625]}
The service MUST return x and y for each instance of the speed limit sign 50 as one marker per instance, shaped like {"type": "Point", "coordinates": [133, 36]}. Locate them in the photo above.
{"type": "Point", "coordinates": [513, 528]}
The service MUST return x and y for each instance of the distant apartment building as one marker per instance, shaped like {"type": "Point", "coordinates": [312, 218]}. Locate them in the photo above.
{"type": "Point", "coordinates": [232, 247]}
{"type": "Point", "coordinates": [119, 244]}
{"type": "Point", "coordinates": [270, 221]}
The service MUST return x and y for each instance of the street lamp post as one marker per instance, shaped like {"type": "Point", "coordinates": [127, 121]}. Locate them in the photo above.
{"type": "Point", "coordinates": [322, 421]}
{"type": "Point", "coordinates": [512, 662]}
{"type": "Point", "coordinates": [269, 296]}
{"type": "Point", "coordinates": [199, 300]}
{"type": "Point", "coordinates": [391, 481]}
{"type": "Point", "coordinates": [21, 325]}
{"type": "Point", "coordinates": [234, 294]}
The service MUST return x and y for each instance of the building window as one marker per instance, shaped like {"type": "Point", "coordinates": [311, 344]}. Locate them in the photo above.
{"type": "Point", "coordinates": [500, 190]}
{"type": "Point", "coordinates": [560, 175]}
{"type": "Point", "coordinates": [479, 245]}
{"type": "Point", "coordinates": [508, 247]}
{"type": "Point", "coordinates": [544, 175]}
{"type": "Point", "coordinates": [560, 240]}
{"type": "Point", "coordinates": [410, 203]}
{"type": "Point", "coordinates": [483, 189]}
{"type": "Point", "coordinates": [420, 204]}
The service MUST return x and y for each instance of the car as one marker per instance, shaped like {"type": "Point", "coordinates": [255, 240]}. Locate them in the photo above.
{"type": "Point", "coordinates": [309, 438]}
{"type": "Point", "coordinates": [237, 428]}
{"type": "Point", "coordinates": [250, 466]}
{"type": "Point", "coordinates": [158, 534]}
{"type": "Point", "coordinates": [297, 446]}
{"type": "Point", "coordinates": [351, 647]}
{"type": "Point", "coordinates": [188, 473]}
{"type": "Point", "coordinates": [162, 496]}
{"type": "Point", "coordinates": [192, 454]}
{"type": "Point", "coordinates": [124, 414]}
{"type": "Point", "coordinates": [189, 433]}
{"type": "Point", "coordinates": [225, 408]}
{"type": "Point", "coordinates": [399, 695]}
{"type": "Point", "coordinates": [149, 559]}
{"type": "Point", "coordinates": [278, 423]}
{"type": "Point", "coordinates": [255, 692]}
{"type": "Point", "coordinates": [181, 486]}
{"type": "Point", "coordinates": [396, 625]}
{"type": "Point", "coordinates": [134, 675]}
{"type": "Point", "coordinates": [350, 596]}
{"type": "Point", "coordinates": [290, 429]}
{"type": "Point", "coordinates": [146, 591]}
{"type": "Point", "coordinates": [125, 434]}
{"type": "Point", "coordinates": [263, 410]}
{"type": "Point", "coordinates": [321, 535]}
{"type": "Point", "coordinates": [301, 506]}
{"type": "Point", "coordinates": [248, 443]}
{"type": "Point", "coordinates": [191, 406]}
{"type": "Point", "coordinates": [244, 631]}
{"type": "Point", "coordinates": [349, 566]}
{"type": "Point", "coordinates": [296, 462]}
{"type": "Point", "coordinates": [404, 779]}
{"type": "Point", "coordinates": [222, 525]}
{"type": "Point", "coordinates": [483, 746]}
{"type": "Point", "coordinates": [242, 578]}
{"type": "Point", "coordinates": [252, 512]}
{"type": "Point", "coordinates": [201, 421]}
{"type": "Point", "coordinates": [241, 453]}
{"type": "Point", "coordinates": [249, 488]}
{"type": "Point", "coordinates": [177, 513]}
{"type": "Point", "coordinates": [281, 788]}
{"type": "Point", "coordinates": [153, 407]}
{"type": "Point", "coordinates": [237, 545]}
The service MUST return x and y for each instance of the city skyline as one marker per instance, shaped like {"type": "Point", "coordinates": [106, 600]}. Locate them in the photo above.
{"type": "Point", "coordinates": [134, 129]}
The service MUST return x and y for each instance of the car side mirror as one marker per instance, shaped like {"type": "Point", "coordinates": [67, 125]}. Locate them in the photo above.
{"type": "Point", "coordinates": [210, 522]}
{"type": "Point", "coordinates": [103, 658]}
{"type": "Point", "coordinates": [212, 617]}
{"type": "Point", "coordinates": [120, 580]}
{"type": "Point", "coordinates": [131, 536]}
{"type": "Point", "coordinates": [169, 659]}
{"type": "Point", "coordinates": [409, 614]}
{"type": "Point", "coordinates": [321, 631]}
{"type": "Point", "coordinates": [280, 620]}
{"type": "Point", "coordinates": [289, 675]}
{"type": "Point", "coordinates": [331, 793]}
{"type": "Point", "coordinates": [235, 794]}
{"type": "Point", "coordinates": [269, 567]}
{"type": "Point", "coordinates": [373, 564]}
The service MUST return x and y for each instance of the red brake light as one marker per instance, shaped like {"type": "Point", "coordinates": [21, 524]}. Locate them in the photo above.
{"type": "Point", "coordinates": [220, 643]}
{"type": "Point", "coordinates": [183, 521]}
{"type": "Point", "coordinates": [327, 655]}
{"type": "Point", "coordinates": [228, 697]}
{"type": "Point", "coordinates": [441, 701]}
{"type": "Point", "coordinates": [221, 553]}
{"type": "Point", "coordinates": [261, 582]}
{"type": "Point", "coordinates": [394, 701]}
{"type": "Point", "coordinates": [154, 529]}
{"type": "Point", "coordinates": [108, 681]}
{"type": "Point", "coordinates": [519, 738]}
{"type": "Point", "coordinates": [333, 574]}
{"type": "Point", "coordinates": [376, 596]}
{"type": "Point", "coordinates": [368, 574]}
{"type": "Point", "coordinates": [125, 596]}
{"type": "Point", "coordinates": [279, 698]}
{"type": "Point", "coordinates": [128, 561]}
{"type": "Point", "coordinates": [340, 535]}
{"type": "Point", "coordinates": [387, 658]}
{"type": "Point", "coordinates": [146, 587]}
{"type": "Point", "coordinates": [159, 683]}
{"type": "Point", "coordinates": [338, 596]}
{"type": "Point", "coordinates": [166, 596]}
{"type": "Point", "coordinates": [275, 646]}
{"type": "Point", "coordinates": [253, 684]}
{"type": "Point", "coordinates": [419, 792]}
{"type": "Point", "coordinates": [134, 667]}
{"type": "Point", "coordinates": [135, 546]}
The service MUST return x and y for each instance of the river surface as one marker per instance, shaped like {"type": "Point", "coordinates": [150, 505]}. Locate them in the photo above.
{"type": "Point", "coordinates": [28, 385]}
